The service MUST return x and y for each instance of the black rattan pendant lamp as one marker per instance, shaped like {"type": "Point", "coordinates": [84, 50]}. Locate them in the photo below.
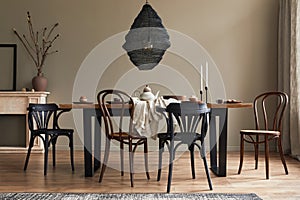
{"type": "Point", "coordinates": [147, 40]}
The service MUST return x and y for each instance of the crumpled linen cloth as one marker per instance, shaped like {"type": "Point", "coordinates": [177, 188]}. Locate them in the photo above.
{"type": "Point", "coordinates": [146, 118]}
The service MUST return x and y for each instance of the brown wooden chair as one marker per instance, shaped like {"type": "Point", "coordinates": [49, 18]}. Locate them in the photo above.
{"type": "Point", "coordinates": [269, 108]}
{"type": "Point", "coordinates": [117, 128]}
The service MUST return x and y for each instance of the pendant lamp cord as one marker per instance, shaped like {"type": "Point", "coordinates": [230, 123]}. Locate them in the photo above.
{"type": "Point", "coordinates": [149, 29]}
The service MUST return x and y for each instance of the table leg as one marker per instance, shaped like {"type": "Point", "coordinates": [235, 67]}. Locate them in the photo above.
{"type": "Point", "coordinates": [87, 141]}
{"type": "Point", "coordinates": [97, 142]}
{"type": "Point", "coordinates": [213, 142]}
{"type": "Point", "coordinates": [222, 141]}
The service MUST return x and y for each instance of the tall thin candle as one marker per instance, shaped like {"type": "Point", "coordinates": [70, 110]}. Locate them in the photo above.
{"type": "Point", "coordinates": [206, 78]}
{"type": "Point", "coordinates": [201, 78]}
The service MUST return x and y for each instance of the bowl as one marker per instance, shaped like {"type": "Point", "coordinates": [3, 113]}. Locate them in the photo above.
{"type": "Point", "coordinates": [193, 99]}
{"type": "Point", "coordinates": [83, 99]}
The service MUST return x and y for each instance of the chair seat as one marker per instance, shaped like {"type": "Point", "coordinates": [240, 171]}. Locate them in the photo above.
{"type": "Point", "coordinates": [53, 131]}
{"type": "Point", "coordinates": [125, 136]}
{"type": "Point", "coordinates": [180, 136]}
{"type": "Point", "coordinates": [262, 132]}
{"type": "Point", "coordinates": [163, 136]}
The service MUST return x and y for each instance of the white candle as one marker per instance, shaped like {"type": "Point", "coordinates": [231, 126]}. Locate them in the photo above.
{"type": "Point", "coordinates": [206, 78]}
{"type": "Point", "coordinates": [201, 74]}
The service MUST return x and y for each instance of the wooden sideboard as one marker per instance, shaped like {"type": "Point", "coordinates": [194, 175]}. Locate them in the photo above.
{"type": "Point", "coordinates": [16, 103]}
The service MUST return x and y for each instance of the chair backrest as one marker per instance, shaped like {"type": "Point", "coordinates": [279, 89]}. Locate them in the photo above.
{"type": "Point", "coordinates": [115, 119]}
{"type": "Point", "coordinates": [40, 115]}
{"type": "Point", "coordinates": [189, 116]}
{"type": "Point", "coordinates": [269, 108]}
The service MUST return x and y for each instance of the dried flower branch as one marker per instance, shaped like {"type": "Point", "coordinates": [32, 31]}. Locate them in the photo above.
{"type": "Point", "coordinates": [39, 45]}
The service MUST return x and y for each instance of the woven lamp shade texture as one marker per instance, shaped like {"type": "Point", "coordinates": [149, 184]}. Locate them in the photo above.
{"type": "Point", "coordinates": [147, 40]}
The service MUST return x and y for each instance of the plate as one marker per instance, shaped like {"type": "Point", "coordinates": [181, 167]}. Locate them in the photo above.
{"type": "Point", "coordinates": [79, 102]}
{"type": "Point", "coordinates": [232, 101]}
{"type": "Point", "coordinates": [114, 102]}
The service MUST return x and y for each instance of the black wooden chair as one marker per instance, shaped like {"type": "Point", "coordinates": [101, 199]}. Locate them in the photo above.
{"type": "Point", "coordinates": [43, 123]}
{"type": "Point", "coordinates": [269, 108]}
{"type": "Point", "coordinates": [190, 117]}
{"type": "Point", "coordinates": [119, 126]}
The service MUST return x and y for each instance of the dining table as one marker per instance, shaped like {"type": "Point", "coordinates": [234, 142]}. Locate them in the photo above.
{"type": "Point", "coordinates": [218, 143]}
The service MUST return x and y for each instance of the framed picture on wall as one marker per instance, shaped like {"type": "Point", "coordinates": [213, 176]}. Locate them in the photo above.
{"type": "Point", "coordinates": [8, 67]}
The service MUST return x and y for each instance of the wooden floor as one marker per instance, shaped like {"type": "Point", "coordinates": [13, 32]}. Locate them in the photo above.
{"type": "Point", "coordinates": [61, 178]}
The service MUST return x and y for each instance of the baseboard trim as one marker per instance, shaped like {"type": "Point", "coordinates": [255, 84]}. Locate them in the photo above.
{"type": "Point", "coordinates": [155, 148]}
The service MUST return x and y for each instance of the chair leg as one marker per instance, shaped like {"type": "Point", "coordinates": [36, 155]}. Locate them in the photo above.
{"type": "Point", "coordinates": [131, 162]}
{"type": "Point", "coordinates": [53, 141]}
{"type": "Point", "coordinates": [71, 150]}
{"type": "Point", "coordinates": [146, 158]}
{"type": "Point", "coordinates": [122, 157]}
{"type": "Point", "coordinates": [203, 156]}
{"type": "Point", "coordinates": [160, 152]}
{"type": "Point", "coordinates": [267, 156]}
{"type": "Point", "coordinates": [171, 150]}
{"type": "Point", "coordinates": [46, 146]}
{"type": "Point", "coordinates": [256, 152]}
{"type": "Point", "coordinates": [282, 156]}
{"type": "Point", "coordinates": [207, 173]}
{"type": "Point", "coordinates": [241, 153]}
{"type": "Point", "coordinates": [192, 158]}
{"type": "Point", "coordinates": [105, 159]}
{"type": "Point", "coordinates": [29, 152]}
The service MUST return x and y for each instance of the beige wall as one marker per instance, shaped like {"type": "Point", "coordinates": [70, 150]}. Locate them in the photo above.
{"type": "Point", "coordinates": [239, 35]}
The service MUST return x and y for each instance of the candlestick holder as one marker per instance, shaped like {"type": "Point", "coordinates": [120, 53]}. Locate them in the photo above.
{"type": "Point", "coordinates": [206, 89]}
{"type": "Point", "coordinates": [201, 95]}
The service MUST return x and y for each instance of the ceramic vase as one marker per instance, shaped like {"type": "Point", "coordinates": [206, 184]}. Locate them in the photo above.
{"type": "Point", "coordinates": [39, 82]}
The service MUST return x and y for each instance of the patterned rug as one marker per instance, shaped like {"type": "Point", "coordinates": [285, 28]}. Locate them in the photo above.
{"type": "Point", "coordinates": [153, 196]}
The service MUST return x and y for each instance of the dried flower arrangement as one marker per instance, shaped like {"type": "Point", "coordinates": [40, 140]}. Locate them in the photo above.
{"type": "Point", "coordinates": [40, 43]}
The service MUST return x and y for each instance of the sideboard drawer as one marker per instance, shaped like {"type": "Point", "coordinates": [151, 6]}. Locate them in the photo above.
{"type": "Point", "coordinates": [13, 105]}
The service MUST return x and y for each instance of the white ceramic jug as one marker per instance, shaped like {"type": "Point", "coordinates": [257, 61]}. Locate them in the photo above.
{"type": "Point", "coordinates": [147, 94]}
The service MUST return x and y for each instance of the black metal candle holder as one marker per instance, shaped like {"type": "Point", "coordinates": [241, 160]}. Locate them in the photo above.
{"type": "Point", "coordinates": [201, 95]}
{"type": "Point", "coordinates": [206, 89]}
